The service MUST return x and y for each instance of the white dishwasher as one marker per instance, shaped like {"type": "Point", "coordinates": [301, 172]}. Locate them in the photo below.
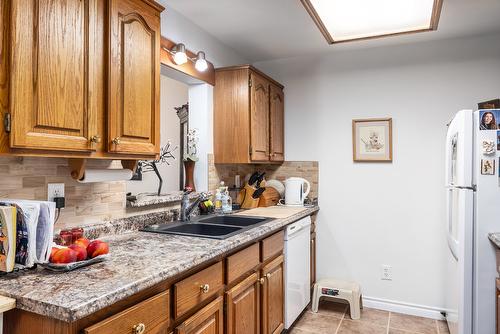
{"type": "Point", "coordinates": [297, 269]}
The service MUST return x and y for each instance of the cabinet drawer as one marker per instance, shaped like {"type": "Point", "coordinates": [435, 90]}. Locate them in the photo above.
{"type": "Point", "coordinates": [152, 314]}
{"type": "Point", "coordinates": [193, 290]}
{"type": "Point", "coordinates": [272, 246]}
{"type": "Point", "coordinates": [242, 262]}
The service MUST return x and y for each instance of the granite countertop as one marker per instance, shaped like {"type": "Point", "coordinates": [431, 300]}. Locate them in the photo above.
{"type": "Point", "coordinates": [138, 261]}
{"type": "Point", "coordinates": [495, 238]}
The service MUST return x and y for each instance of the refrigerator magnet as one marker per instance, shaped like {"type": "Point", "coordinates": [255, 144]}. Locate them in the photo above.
{"type": "Point", "coordinates": [488, 147]}
{"type": "Point", "coordinates": [487, 166]}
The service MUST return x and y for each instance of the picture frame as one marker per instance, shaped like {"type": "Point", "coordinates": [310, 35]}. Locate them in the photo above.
{"type": "Point", "coordinates": [487, 166]}
{"type": "Point", "coordinates": [492, 104]}
{"type": "Point", "coordinates": [372, 140]}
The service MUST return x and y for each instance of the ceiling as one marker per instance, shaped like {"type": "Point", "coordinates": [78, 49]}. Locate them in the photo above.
{"type": "Point", "coordinates": [270, 29]}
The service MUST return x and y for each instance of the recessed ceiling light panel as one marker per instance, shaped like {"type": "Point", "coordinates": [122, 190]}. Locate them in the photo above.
{"type": "Point", "coordinates": [348, 20]}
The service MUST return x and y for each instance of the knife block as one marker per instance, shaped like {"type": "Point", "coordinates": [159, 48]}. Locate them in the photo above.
{"type": "Point", "coordinates": [245, 198]}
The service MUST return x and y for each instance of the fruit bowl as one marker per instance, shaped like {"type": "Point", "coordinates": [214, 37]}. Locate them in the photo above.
{"type": "Point", "coordinates": [64, 267]}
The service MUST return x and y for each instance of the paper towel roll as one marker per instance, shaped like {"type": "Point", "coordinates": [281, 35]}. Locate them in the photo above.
{"type": "Point", "coordinates": [103, 175]}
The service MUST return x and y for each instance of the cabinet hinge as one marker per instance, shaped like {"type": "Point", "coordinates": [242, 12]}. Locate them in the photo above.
{"type": "Point", "coordinates": [250, 150]}
{"type": "Point", "coordinates": [7, 122]}
{"type": "Point", "coordinates": [249, 82]}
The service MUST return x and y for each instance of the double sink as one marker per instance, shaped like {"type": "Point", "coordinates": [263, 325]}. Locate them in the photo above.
{"type": "Point", "coordinates": [213, 227]}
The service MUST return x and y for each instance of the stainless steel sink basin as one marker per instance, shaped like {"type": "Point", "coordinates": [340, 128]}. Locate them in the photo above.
{"type": "Point", "coordinates": [233, 220]}
{"type": "Point", "coordinates": [214, 227]}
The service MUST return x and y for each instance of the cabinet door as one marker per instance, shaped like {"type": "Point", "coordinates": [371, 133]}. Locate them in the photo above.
{"type": "Point", "coordinates": [313, 259]}
{"type": "Point", "coordinates": [277, 123]}
{"type": "Point", "coordinates": [208, 320]}
{"type": "Point", "coordinates": [134, 78]}
{"type": "Point", "coordinates": [50, 75]}
{"type": "Point", "coordinates": [259, 118]}
{"type": "Point", "coordinates": [273, 297]}
{"type": "Point", "coordinates": [242, 307]}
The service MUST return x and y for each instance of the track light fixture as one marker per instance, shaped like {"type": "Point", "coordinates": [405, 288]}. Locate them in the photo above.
{"type": "Point", "coordinates": [180, 57]}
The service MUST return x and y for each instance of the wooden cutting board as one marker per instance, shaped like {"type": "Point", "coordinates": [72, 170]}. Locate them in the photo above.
{"type": "Point", "coordinates": [272, 211]}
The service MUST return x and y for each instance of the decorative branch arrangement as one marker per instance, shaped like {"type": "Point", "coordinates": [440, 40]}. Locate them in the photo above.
{"type": "Point", "coordinates": [145, 166]}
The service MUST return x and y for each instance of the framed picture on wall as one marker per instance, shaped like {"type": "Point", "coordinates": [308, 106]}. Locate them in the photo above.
{"type": "Point", "coordinates": [492, 104]}
{"type": "Point", "coordinates": [372, 140]}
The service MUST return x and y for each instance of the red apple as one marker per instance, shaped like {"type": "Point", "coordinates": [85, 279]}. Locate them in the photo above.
{"type": "Point", "coordinates": [52, 252]}
{"type": "Point", "coordinates": [80, 250]}
{"type": "Point", "coordinates": [83, 242]}
{"type": "Point", "coordinates": [96, 248]}
{"type": "Point", "coordinates": [64, 255]}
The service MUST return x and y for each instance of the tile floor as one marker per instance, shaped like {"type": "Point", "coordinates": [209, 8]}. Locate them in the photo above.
{"type": "Point", "coordinates": [333, 318]}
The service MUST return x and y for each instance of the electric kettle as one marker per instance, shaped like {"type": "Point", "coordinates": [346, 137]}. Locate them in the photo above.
{"type": "Point", "coordinates": [294, 191]}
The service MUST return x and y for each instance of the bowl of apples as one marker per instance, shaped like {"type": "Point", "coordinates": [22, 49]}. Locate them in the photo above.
{"type": "Point", "coordinates": [81, 253]}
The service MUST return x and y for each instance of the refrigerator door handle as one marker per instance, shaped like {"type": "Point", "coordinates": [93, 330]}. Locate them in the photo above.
{"type": "Point", "coordinates": [452, 186]}
{"type": "Point", "coordinates": [452, 242]}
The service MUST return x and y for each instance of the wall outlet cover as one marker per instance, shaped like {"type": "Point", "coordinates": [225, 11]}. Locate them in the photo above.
{"type": "Point", "coordinates": [54, 190]}
{"type": "Point", "coordinates": [386, 273]}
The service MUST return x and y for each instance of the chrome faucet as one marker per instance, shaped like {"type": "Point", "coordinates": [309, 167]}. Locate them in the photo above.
{"type": "Point", "coordinates": [187, 208]}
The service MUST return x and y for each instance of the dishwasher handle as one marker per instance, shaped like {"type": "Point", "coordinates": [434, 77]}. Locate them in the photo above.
{"type": "Point", "coordinates": [296, 228]}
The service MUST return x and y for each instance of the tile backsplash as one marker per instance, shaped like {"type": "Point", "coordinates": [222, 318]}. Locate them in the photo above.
{"type": "Point", "coordinates": [86, 203]}
{"type": "Point", "coordinates": [92, 203]}
{"type": "Point", "coordinates": [308, 170]}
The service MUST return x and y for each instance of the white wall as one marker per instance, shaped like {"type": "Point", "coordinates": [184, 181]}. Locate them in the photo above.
{"type": "Point", "coordinates": [173, 94]}
{"type": "Point", "coordinates": [180, 29]}
{"type": "Point", "coordinates": [379, 213]}
{"type": "Point", "coordinates": [201, 118]}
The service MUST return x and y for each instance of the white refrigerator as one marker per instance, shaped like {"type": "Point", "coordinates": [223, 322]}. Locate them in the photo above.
{"type": "Point", "coordinates": [473, 211]}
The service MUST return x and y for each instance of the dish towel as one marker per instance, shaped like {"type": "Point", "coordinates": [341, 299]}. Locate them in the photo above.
{"type": "Point", "coordinates": [26, 249]}
{"type": "Point", "coordinates": [7, 238]}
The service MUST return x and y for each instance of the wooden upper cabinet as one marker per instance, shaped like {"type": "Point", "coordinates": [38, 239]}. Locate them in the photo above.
{"type": "Point", "coordinates": [277, 123]}
{"type": "Point", "coordinates": [134, 78]}
{"type": "Point", "coordinates": [259, 118]}
{"type": "Point", "coordinates": [246, 119]}
{"type": "Point", "coordinates": [49, 78]}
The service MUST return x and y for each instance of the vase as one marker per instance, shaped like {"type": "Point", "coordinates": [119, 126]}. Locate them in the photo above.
{"type": "Point", "coordinates": [189, 174]}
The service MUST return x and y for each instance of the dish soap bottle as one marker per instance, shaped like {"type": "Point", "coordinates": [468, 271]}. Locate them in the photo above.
{"type": "Point", "coordinates": [218, 202]}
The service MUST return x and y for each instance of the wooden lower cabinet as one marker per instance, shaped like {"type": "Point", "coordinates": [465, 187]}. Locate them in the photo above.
{"type": "Point", "coordinates": [209, 320]}
{"type": "Point", "coordinates": [243, 307]}
{"type": "Point", "coordinates": [313, 259]}
{"type": "Point", "coordinates": [497, 294]}
{"type": "Point", "coordinates": [273, 297]}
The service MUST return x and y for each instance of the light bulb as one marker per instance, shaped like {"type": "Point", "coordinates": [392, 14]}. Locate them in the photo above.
{"type": "Point", "coordinates": [180, 56]}
{"type": "Point", "coordinates": [201, 64]}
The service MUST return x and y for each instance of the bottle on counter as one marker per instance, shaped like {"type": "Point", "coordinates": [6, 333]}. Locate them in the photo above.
{"type": "Point", "coordinates": [218, 202]}
{"type": "Point", "coordinates": [227, 202]}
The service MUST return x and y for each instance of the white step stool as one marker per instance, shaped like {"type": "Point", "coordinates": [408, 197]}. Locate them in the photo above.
{"type": "Point", "coordinates": [336, 289]}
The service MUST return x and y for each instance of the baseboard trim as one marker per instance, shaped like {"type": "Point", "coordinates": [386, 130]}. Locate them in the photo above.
{"type": "Point", "coordinates": [405, 308]}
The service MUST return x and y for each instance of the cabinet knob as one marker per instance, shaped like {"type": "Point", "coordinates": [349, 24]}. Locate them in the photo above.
{"type": "Point", "coordinates": [204, 288]}
{"type": "Point", "coordinates": [262, 280]}
{"type": "Point", "coordinates": [268, 275]}
{"type": "Point", "coordinates": [116, 141]}
{"type": "Point", "coordinates": [95, 139]}
{"type": "Point", "coordinates": [140, 328]}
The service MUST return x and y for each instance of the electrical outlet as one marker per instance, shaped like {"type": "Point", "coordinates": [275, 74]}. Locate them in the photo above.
{"type": "Point", "coordinates": [55, 190]}
{"type": "Point", "coordinates": [386, 273]}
